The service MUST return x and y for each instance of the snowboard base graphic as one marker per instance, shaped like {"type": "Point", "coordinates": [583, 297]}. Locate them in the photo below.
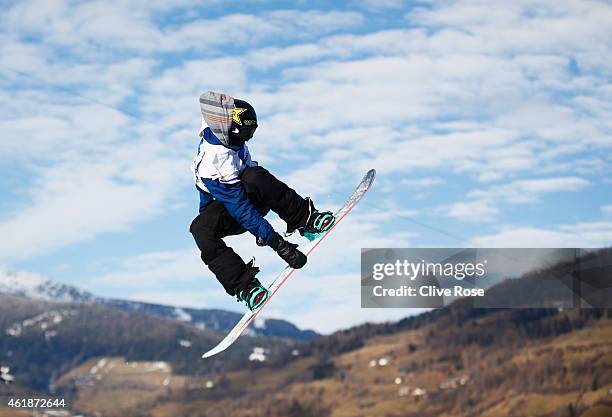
{"type": "Point", "coordinates": [249, 316]}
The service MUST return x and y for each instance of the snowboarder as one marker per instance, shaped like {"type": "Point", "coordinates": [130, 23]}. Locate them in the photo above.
{"type": "Point", "coordinates": [235, 195]}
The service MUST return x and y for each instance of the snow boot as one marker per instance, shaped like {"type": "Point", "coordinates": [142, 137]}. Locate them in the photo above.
{"type": "Point", "coordinates": [253, 293]}
{"type": "Point", "coordinates": [318, 223]}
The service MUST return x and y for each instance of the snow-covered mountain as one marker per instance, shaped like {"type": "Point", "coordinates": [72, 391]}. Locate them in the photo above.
{"type": "Point", "coordinates": [34, 286]}
{"type": "Point", "coordinates": [29, 285]}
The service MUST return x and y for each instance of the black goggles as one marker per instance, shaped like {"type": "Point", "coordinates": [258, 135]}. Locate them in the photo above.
{"type": "Point", "coordinates": [246, 132]}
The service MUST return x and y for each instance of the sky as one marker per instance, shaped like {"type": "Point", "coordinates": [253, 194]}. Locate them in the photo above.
{"type": "Point", "coordinates": [489, 124]}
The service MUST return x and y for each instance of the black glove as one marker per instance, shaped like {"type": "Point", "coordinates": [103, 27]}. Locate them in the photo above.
{"type": "Point", "coordinates": [286, 250]}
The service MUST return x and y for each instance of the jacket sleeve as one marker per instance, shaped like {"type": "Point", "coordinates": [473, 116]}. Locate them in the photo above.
{"type": "Point", "coordinates": [235, 200]}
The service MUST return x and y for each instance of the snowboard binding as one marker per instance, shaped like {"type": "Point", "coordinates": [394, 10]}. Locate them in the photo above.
{"type": "Point", "coordinates": [318, 223]}
{"type": "Point", "coordinates": [253, 294]}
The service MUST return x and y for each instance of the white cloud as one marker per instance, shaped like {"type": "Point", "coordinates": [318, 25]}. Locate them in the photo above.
{"type": "Point", "coordinates": [67, 23]}
{"type": "Point", "coordinates": [95, 193]}
{"type": "Point", "coordinates": [534, 26]}
{"type": "Point", "coordinates": [477, 211]}
{"type": "Point", "coordinates": [152, 269]}
{"type": "Point", "coordinates": [483, 205]}
{"type": "Point", "coordinates": [136, 27]}
{"type": "Point", "coordinates": [579, 235]}
{"type": "Point", "coordinates": [250, 29]}
{"type": "Point", "coordinates": [380, 4]}
{"type": "Point", "coordinates": [547, 185]}
{"type": "Point", "coordinates": [422, 182]}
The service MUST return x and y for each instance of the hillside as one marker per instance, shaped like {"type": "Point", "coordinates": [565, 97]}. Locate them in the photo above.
{"type": "Point", "coordinates": [527, 363]}
{"type": "Point", "coordinates": [531, 363]}
{"type": "Point", "coordinates": [41, 340]}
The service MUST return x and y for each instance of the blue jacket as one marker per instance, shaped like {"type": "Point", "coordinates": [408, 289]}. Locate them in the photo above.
{"type": "Point", "coordinates": [217, 169]}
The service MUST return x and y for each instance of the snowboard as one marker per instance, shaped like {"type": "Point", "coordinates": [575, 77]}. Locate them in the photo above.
{"type": "Point", "coordinates": [249, 316]}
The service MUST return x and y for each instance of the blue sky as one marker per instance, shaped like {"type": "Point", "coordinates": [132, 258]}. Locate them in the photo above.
{"type": "Point", "coordinates": [489, 123]}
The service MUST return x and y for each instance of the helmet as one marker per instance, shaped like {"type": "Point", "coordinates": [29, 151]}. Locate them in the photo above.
{"type": "Point", "coordinates": [244, 123]}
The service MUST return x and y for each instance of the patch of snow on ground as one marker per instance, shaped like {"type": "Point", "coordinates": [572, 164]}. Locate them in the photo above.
{"type": "Point", "coordinates": [258, 354]}
{"type": "Point", "coordinates": [101, 364]}
{"type": "Point", "coordinates": [44, 321]}
{"type": "Point", "coordinates": [157, 366]}
{"type": "Point", "coordinates": [182, 315]}
{"type": "Point", "coordinates": [259, 323]}
{"type": "Point", "coordinates": [5, 375]}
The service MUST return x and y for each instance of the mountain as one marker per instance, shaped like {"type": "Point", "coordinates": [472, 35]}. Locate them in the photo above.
{"type": "Point", "coordinates": [215, 319]}
{"type": "Point", "coordinates": [40, 340]}
{"type": "Point", "coordinates": [33, 286]}
{"type": "Point", "coordinates": [29, 285]}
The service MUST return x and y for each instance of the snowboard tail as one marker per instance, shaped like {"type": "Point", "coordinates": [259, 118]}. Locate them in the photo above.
{"type": "Point", "coordinates": [249, 316]}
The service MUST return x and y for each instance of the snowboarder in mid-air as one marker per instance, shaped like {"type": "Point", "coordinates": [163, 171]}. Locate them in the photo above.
{"type": "Point", "coordinates": [235, 195]}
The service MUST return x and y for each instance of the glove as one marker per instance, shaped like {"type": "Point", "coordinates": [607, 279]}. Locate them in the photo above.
{"type": "Point", "coordinates": [286, 250]}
